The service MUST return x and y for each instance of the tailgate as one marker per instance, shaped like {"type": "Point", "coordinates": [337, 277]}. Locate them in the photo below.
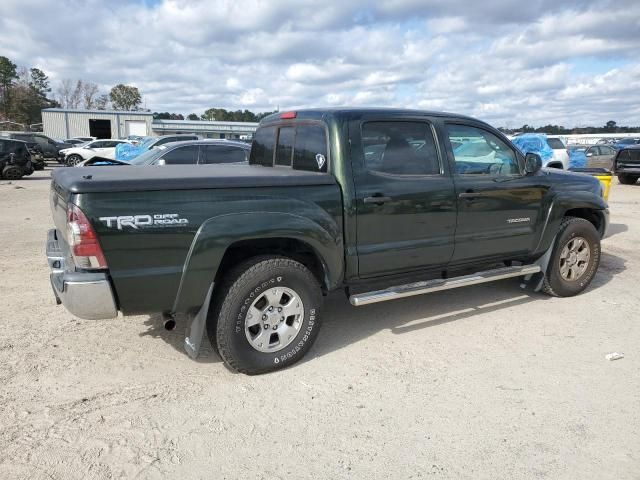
{"type": "Point", "coordinates": [58, 199]}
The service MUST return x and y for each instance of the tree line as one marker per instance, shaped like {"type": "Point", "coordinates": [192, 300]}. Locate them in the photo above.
{"type": "Point", "coordinates": [218, 114]}
{"type": "Point", "coordinates": [24, 92]}
{"type": "Point", "coordinates": [610, 127]}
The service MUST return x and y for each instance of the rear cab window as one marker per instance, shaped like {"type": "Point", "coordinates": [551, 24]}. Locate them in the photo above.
{"type": "Point", "coordinates": [299, 145]}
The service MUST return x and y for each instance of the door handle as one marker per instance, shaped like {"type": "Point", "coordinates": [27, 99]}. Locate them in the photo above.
{"type": "Point", "coordinates": [377, 199]}
{"type": "Point", "coordinates": [469, 194]}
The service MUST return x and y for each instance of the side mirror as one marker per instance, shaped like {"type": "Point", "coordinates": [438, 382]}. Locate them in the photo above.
{"type": "Point", "coordinates": [589, 154]}
{"type": "Point", "coordinates": [162, 161]}
{"type": "Point", "coordinates": [532, 163]}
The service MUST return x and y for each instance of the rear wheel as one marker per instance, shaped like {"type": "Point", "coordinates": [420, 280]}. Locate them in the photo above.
{"type": "Point", "coordinates": [626, 179]}
{"type": "Point", "coordinates": [73, 160]}
{"type": "Point", "coordinates": [575, 258]}
{"type": "Point", "coordinates": [11, 172]}
{"type": "Point", "coordinates": [267, 316]}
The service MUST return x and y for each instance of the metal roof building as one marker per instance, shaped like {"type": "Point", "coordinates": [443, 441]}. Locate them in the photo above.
{"type": "Point", "coordinates": [65, 123]}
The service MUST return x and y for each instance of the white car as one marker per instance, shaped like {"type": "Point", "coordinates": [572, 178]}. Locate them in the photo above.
{"type": "Point", "coordinates": [96, 148]}
{"type": "Point", "coordinates": [560, 153]}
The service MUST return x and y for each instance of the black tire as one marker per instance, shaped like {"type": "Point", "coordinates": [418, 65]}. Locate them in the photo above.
{"type": "Point", "coordinates": [572, 228]}
{"type": "Point", "coordinates": [12, 172]}
{"type": "Point", "coordinates": [626, 179]}
{"type": "Point", "coordinates": [73, 159]}
{"type": "Point", "coordinates": [245, 285]}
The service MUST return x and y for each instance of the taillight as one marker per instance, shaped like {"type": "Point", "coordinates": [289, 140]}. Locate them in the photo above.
{"type": "Point", "coordinates": [83, 241]}
{"type": "Point", "coordinates": [288, 115]}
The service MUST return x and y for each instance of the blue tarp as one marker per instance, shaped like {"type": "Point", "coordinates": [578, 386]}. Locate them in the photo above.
{"type": "Point", "coordinates": [534, 143]}
{"type": "Point", "coordinates": [577, 159]}
{"type": "Point", "coordinates": [128, 151]}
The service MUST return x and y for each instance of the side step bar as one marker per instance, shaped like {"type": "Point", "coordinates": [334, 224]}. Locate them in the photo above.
{"type": "Point", "coordinates": [418, 288]}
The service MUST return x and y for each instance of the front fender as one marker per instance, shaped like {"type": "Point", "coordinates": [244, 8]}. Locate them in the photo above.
{"type": "Point", "coordinates": [217, 234]}
{"type": "Point", "coordinates": [561, 204]}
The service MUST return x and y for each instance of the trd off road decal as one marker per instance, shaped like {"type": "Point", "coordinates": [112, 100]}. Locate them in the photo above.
{"type": "Point", "coordinates": [144, 221]}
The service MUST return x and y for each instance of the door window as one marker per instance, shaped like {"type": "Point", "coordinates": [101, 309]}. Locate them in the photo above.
{"type": "Point", "coordinates": [400, 148]}
{"type": "Point", "coordinates": [479, 152]}
{"type": "Point", "coordinates": [605, 150]}
{"type": "Point", "coordinates": [187, 155]}
{"type": "Point", "coordinates": [211, 154]}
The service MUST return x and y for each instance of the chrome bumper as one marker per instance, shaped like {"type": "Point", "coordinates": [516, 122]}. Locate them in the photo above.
{"type": "Point", "coordinates": [86, 295]}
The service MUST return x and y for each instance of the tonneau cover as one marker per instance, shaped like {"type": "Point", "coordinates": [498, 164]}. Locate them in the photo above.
{"type": "Point", "coordinates": [181, 177]}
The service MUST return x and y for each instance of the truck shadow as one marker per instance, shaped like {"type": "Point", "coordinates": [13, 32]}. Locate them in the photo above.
{"type": "Point", "coordinates": [344, 324]}
{"type": "Point", "coordinates": [615, 228]}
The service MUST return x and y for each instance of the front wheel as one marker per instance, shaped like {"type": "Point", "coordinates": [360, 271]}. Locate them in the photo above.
{"type": "Point", "coordinates": [12, 172]}
{"type": "Point", "coordinates": [627, 179]}
{"type": "Point", "coordinates": [268, 315]}
{"type": "Point", "coordinates": [575, 258]}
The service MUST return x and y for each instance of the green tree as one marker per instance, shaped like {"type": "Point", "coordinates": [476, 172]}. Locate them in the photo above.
{"type": "Point", "coordinates": [8, 75]}
{"type": "Point", "coordinates": [125, 97]}
{"type": "Point", "coordinates": [193, 116]}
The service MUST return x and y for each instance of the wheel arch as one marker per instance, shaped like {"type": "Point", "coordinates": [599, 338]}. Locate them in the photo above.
{"type": "Point", "coordinates": [214, 250]}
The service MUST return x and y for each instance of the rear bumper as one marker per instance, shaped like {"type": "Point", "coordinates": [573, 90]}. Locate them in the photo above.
{"type": "Point", "coordinates": [86, 295]}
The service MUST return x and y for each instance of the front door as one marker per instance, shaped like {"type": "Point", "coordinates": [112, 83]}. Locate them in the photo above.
{"type": "Point", "coordinates": [499, 207]}
{"type": "Point", "coordinates": [405, 201]}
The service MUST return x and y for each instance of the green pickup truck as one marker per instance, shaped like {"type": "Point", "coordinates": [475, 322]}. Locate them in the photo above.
{"type": "Point", "coordinates": [382, 203]}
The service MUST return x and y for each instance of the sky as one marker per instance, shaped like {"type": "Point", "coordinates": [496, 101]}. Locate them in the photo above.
{"type": "Point", "coordinates": [571, 63]}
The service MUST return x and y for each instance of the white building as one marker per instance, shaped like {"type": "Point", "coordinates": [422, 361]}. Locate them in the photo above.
{"type": "Point", "coordinates": [64, 123]}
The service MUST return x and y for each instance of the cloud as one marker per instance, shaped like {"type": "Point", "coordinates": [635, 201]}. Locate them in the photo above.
{"type": "Point", "coordinates": [541, 62]}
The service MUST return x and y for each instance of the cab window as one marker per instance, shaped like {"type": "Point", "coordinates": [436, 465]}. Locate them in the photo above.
{"type": "Point", "coordinates": [400, 148]}
{"type": "Point", "coordinates": [479, 152]}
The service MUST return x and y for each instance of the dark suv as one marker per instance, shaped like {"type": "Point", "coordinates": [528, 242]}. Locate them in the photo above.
{"type": "Point", "coordinates": [49, 147]}
{"type": "Point", "coordinates": [626, 165]}
{"type": "Point", "coordinates": [15, 159]}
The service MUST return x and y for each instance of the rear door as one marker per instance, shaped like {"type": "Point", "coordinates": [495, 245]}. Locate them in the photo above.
{"type": "Point", "coordinates": [499, 208]}
{"type": "Point", "coordinates": [405, 201]}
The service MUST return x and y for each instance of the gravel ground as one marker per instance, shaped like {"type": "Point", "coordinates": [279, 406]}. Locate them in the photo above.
{"type": "Point", "coordinates": [482, 382]}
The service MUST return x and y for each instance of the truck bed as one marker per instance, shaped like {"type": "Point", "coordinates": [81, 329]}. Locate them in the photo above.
{"type": "Point", "coordinates": [181, 177]}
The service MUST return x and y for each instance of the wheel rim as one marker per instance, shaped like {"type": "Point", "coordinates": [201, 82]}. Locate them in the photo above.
{"type": "Point", "coordinates": [74, 160]}
{"type": "Point", "coordinates": [274, 319]}
{"type": "Point", "coordinates": [574, 259]}
{"type": "Point", "coordinates": [12, 174]}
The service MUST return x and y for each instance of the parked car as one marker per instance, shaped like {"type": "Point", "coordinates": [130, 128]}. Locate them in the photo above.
{"type": "Point", "coordinates": [85, 139]}
{"type": "Point", "coordinates": [75, 141]}
{"type": "Point", "coordinates": [101, 148]}
{"type": "Point", "coordinates": [552, 150]}
{"type": "Point", "coordinates": [626, 164]}
{"type": "Point", "coordinates": [625, 142]}
{"type": "Point", "coordinates": [560, 153]}
{"type": "Point", "coordinates": [600, 156]}
{"type": "Point", "coordinates": [129, 152]}
{"type": "Point", "coordinates": [15, 159]}
{"type": "Point", "coordinates": [184, 153]}
{"type": "Point", "coordinates": [50, 148]}
{"type": "Point", "coordinates": [248, 251]}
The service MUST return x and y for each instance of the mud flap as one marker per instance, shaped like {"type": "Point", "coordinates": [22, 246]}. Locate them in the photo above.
{"type": "Point", "coordinates": [195, 329]}
{"type": "Point", "coordinates": [534, 281]}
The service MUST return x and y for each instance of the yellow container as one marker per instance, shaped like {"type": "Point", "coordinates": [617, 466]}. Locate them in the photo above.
{"type": "Point", "coordinates": [605, 180]}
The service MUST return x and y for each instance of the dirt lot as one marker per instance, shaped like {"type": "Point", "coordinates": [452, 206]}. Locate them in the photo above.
{"type": "Point", "coordinates": [482, 382]}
